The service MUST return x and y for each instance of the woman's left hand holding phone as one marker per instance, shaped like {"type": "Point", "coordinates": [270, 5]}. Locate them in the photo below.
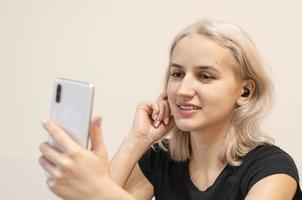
{"type": "Point", "coordinates": [76, 173]}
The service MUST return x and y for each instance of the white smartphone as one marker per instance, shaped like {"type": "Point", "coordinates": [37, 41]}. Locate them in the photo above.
{"type": "Point", "coordinates": [71, 108]}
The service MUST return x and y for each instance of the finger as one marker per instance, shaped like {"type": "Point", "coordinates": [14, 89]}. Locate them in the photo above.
{"type": "Point", "coordinates": [155, 111]}
{"type": "Point", "coordinates": [161, 113]}
{"type": "Point", "coordinates": [52, 154]}
{"type": "Point", "coordinates": [162, 110]}
{"type": "Point", "coordinates": [49, 167]}
{"type": "Point", "coordinates": [97, 141]}
{"type": "Point", "coordinates": [60, 136]}
{"type": "Point", "coordinates": [171, 124]}
{"type": "Point", "coordinates": [168, 127]}
{"type": "Point", "coordinates": [96, 134]}
{"type": "Point", "coordinates": [167, 112]}
{"type": "Point", "coordinates": [162, 96]}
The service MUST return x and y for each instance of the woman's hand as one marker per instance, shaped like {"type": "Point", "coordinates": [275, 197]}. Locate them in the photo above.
{"type": "Point", "coordinates": [152, 120]}
{"type": "Point", "coordinates": [76, 173]}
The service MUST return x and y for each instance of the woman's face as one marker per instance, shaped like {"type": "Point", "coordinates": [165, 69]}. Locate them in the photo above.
{"type": "Point", "coordinates": [202, 74]}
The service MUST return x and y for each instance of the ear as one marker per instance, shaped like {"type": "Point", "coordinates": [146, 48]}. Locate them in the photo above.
{"type": "Point", "coordinates": [247, 92]}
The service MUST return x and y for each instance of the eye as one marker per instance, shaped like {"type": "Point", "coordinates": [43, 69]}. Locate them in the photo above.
{"type": "Point", "coordinates": [206, 77]}
{"type": "Point", "coordinates": [176, 74]}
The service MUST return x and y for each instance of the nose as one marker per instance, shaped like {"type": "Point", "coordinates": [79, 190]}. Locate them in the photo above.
{"type": "Point", "coordinates": [186, 88]}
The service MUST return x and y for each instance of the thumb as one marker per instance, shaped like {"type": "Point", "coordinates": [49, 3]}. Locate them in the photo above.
{"type": "Point", "coordinates": [97, 142]}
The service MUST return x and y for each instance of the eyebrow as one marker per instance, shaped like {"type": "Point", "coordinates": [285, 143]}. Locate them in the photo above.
{"type": "Point", "coordinates": [209, 67]}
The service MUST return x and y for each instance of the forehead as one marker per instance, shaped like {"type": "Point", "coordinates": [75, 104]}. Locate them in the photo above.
{"type": "Point", "coordinates": [196, 50]}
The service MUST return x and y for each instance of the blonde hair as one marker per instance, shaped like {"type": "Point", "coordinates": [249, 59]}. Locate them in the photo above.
{"type": "Point", "coordinates": [244, 132]}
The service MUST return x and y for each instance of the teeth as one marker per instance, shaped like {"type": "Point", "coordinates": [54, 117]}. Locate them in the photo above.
{"type": "Point", "coordinates": [189, 107]}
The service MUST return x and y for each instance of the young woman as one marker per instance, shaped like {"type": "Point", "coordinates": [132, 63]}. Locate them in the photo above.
{"type": "Point", "coordinates": [216, 94]}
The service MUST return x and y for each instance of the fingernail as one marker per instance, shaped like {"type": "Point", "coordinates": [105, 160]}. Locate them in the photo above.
{"type": "Point", "coordinates": [157, 124]}
{"type": "Point", "coordinates": [166, 120]}
{"type": "Point", "coordinates": [98, 121]}
{"type": "Point", "coordinates": [155, 116]}
{"type": "Point", "coordinates": [44, 121]}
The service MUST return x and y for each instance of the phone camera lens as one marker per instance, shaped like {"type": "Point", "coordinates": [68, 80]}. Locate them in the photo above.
{"type": "Point", "coordinates": [58, 94]}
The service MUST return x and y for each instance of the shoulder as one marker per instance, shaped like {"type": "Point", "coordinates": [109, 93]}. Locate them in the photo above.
{"type": "Point", "coordinates": [270, 157]}
{"type": "Point", "coordinates": [158, 151]}
{"type": "Point", "coordinates": [156, 163]}
{"type": "Point", "coordinates": [264, 161]}
{"type": "Point", "coordinates": [267, 149]}
{"type": "Point", "coordinates": [154, 160]}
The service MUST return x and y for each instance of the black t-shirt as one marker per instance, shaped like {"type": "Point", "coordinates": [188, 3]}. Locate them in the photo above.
{"type": "Point", "coordinates": [171, 179]}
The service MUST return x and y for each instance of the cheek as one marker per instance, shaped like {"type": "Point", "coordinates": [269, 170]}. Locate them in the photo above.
{"type": "Point", "coordinates": [171, 91]}
{"type": "Point", "coordinates": [221, 97]}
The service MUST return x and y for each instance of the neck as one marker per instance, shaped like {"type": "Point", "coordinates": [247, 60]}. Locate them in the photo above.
{"type": "Point", "coordinates": [207, 145]}
{"type": "Point", "coordinates": [205, 164]}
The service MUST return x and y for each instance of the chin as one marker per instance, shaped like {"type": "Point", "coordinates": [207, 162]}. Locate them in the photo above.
{"type": "Point", "coordinates": [185, 125]}
{"type": "Point", "coordinates": [188, 125]}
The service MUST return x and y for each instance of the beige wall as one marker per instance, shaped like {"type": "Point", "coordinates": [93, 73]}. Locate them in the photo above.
{"type": "Point", "coordinates": [122, 46]}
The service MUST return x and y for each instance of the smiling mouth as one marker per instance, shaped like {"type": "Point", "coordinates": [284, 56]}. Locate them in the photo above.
{"type": "Point", "coordinates": [188, 107]}
{"type": "Point", "coordinates": [187, 111]}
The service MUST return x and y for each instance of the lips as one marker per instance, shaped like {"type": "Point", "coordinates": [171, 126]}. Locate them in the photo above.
{"type": "Point", "coordinates": [187, 110]}
{"type": "Point", "coordinates": [188, 106]}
